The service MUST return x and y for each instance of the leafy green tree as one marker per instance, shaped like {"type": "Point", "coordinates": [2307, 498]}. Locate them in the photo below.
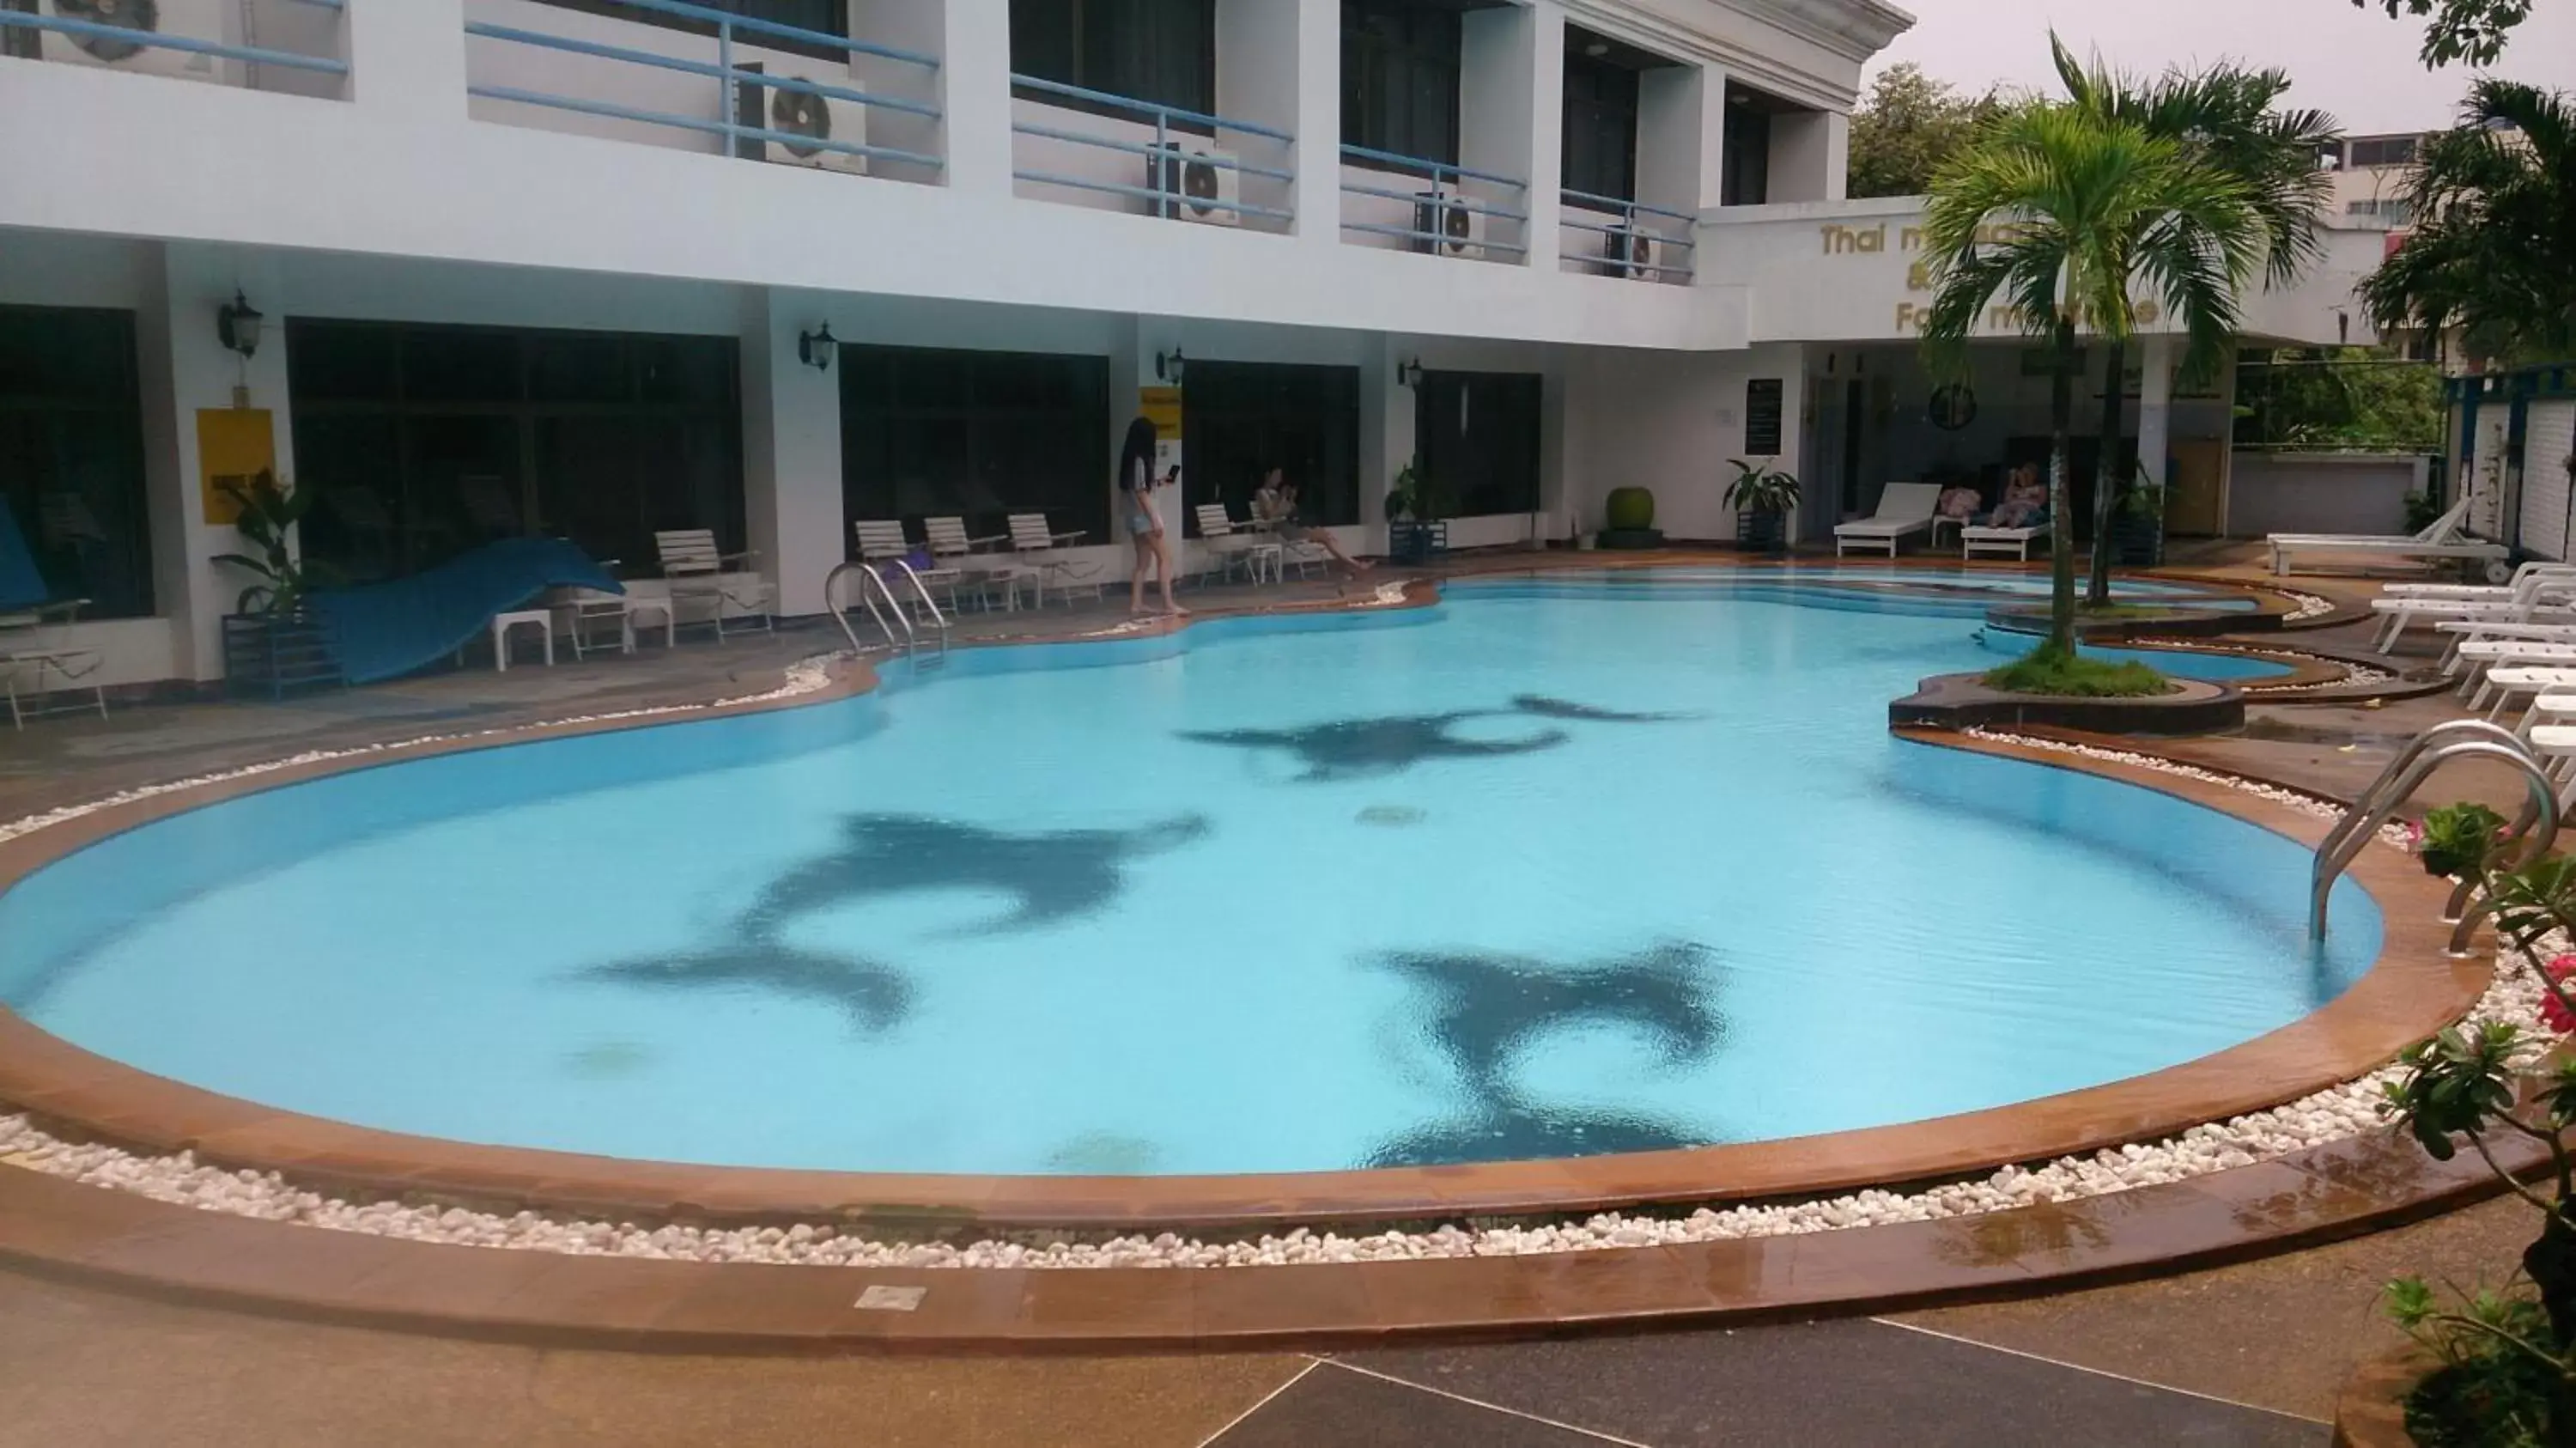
{"type": "Point", "coordinates": [2223, 118]}
{"type": "Point", "coordinates": [2493, 252]}
{"type": "Point", "coordinates": [2358, 399]}
{"type": "Point", "coordinates": [1907, 126]}
{"type": "Point", "coordinates": [2470, 30]}
{"type": "Point", "coordinates": [2060, 210]}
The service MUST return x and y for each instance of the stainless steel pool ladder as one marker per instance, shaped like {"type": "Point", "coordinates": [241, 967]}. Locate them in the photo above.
{"type": "Point", "coordinates": [873, 586]}
{"type": "Point", "coordinates": [2535, 830]}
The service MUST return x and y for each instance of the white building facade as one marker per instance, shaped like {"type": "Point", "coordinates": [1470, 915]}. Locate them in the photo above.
{"type": "Point", "coordinates": [565, 266]}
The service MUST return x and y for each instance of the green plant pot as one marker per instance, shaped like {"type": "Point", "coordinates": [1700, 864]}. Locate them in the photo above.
{"type": "Point", "coordinates": [1631, 510]}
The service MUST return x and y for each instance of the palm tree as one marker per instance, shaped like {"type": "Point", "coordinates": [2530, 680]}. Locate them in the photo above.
{"type": "Point", "coordinates": [2224, 118]}
{"type": "Point", "coordinates": [2493, 254]}
{"type": "Point", "coordinates": [2060, 210]}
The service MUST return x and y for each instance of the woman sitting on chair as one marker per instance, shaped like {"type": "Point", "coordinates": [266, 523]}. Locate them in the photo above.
{"type": "Point", "coordinates": [1275, 505]}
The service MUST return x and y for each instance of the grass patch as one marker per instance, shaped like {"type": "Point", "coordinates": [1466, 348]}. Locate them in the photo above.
{"type": "Point", "coordinates": [2049, 671]}
{"type": "Point", "coordinates": [2124, 610]}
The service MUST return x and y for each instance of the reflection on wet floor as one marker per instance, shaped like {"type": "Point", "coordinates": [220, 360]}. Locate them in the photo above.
{"type": "Point", "coordinates": [2273, 729]}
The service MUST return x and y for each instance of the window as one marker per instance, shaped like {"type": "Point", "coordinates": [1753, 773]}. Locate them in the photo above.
{"type": "Point", "coordinates": [1600, 127]}
{"type": "Point", "coordinates": [1241, 419]}
{"type": "Point", "coordinates": [427, 441]}
{"type": "Point", "coordinates": [71, 454]}
{"type": "Point", "coordinates": [1747, 177]}
{"type": "Point", "coordinates": [2385, 151]}
{"type": "Point", "coordinates": [1148, 50]}
{"type": "Point", "coordinates": [980, 435]}
{"type": "Point", "coordinates": [1477, 434]}
{"type": "Point", "coordinates": [1400, 78]}
{"type": "Point", "coordinates": [829, 17]}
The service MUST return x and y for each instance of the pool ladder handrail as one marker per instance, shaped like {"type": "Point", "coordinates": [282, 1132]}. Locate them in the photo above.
{"type": "Point", "coordinates": [2536, 829]}
{"type": "Point", "coordinates": [872, 587]}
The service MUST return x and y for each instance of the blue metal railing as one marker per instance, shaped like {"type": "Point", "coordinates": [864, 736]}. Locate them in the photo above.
{"type": "Point", "coordinates": [1623, 257]}
{"type": "Point", "coordinates": [728, 77]}
{"type": "Point", "coordinates": [1166, 194]}
{"type": "Point", "coordinates": [157, 40]}
{"type": "Point", "coordinates": [1443, 201]}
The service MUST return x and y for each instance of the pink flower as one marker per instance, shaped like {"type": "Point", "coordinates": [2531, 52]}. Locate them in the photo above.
{"type": "Point", "coordinates": [2553, 1011]}
{"type": "Point", "coordinates": [2414, 838]}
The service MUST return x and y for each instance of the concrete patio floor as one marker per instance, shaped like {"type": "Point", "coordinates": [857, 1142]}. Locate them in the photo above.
{"type": "Point", "coordinates": [2249, 1355]}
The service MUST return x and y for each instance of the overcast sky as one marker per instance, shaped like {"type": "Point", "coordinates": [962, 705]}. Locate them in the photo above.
{"type": "Point", "coordinates": [2360, 65]}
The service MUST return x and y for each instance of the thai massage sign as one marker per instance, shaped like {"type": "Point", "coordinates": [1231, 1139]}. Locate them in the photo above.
{"type": "Point", "coordinates": [1912, 314]}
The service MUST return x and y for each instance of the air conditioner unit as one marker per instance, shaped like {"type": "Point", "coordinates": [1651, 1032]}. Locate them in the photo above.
{"type": "Point", "coordinates": [1461, 232]}
{"type": "Point", "coordinates": [801, 113]}
{"type": "Point", "coordinates": [221, 21]}
{"type": "Point", "coordinates": [1625, 252]}
{"type": "Point", "coordinates": [1195, 183]}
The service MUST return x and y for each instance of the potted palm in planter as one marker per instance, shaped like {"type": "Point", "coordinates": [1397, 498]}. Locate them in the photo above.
{"type": "Point", "coordinates": [1416, 513]}
{"type": "Point", "coordinates": [273, 639]}
{"type": "Point", "coordinates": [2138, 529]}
{"type": "Point", "coordinates": [1763, 497]}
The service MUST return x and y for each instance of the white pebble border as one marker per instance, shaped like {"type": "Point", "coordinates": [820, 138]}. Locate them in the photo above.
{"type": "Point", "coordinates": [2334, 1114]}
{"type": "Point", "coordinates": [2309, 605]}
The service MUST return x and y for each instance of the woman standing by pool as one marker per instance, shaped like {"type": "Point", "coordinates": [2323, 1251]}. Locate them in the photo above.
{"type": "Point", "coordinates": [1136, 484]}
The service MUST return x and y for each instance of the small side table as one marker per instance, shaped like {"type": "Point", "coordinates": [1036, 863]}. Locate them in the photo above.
{"type": "Point", "coordinates": [543, 619]}
{"type": "Point", "coordinates": [646, 605]}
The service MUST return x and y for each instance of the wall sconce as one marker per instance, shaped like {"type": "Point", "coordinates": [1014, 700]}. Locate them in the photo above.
{"type": "Point", "coordinates": [815, 348]}
{"type": "Point", "coordinates": [237, 325]}
{"type": "Point", "coordinates": [1168, 366]}
{"type": "Point", "coordinates": [1409, 374]}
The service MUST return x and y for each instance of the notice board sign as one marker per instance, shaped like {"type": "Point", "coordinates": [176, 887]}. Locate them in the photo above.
{"type": "Point", "coordinates": [1762, 404]}
{"type": "Point", "coordinates": [233, 444]}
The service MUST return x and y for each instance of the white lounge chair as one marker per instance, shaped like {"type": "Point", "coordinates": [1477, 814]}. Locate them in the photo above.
{"type": "Point", "coordinates": [1978, 538]}
{"type": "Point", "coordinates": [2446, 540]}
{"type": "Point", "coordinates": [699, 576]}
{"type": "Point", "coordinates": [881, 540]}
{"type": "Point", "coordinates": [2537, 594]}
{"type": "Point", "coordinates": [2465, 591]}
{"type": "Point", "coordinates": [1229, 548]}
{"type": "Point", "coordinates": [1904, 509]}
{"type": "Point", "coordinates": [978, 572]}
{"type": "Point", "coordinates": [1039, 546]}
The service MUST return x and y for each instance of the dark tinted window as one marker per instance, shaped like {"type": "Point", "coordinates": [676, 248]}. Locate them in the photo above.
{"type": "Point", "coordinates": [1400, 78]}
{"type": "Point", "coordinates": [1747, 177]}
{"type": "Point", "coordinates": [1477, 436]}
{"type": "Point", "coordinates": [71, 455]}
{"type": "Point", "coordinates": [1600, 128]}
{"type": "Point", "coordinates": [1242, 418]}
{"type": "Point", "coordinates": [1147, 50]}
{"type": "Point", "coordinates": [428, 441]}
{"type": "Point", "coordinates": [977, 435]}
{"type": "Point", "coordinates": [2392, 151]}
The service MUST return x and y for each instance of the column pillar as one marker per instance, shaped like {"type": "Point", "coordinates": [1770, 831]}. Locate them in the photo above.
{"type": "Point", "coordinates": [2155, 403]}
{"type": "Point", "coordinates": [408, 56]}
{"type": "Point", "coordinates": [1681, 137]}
{"type": "Point", "coordinates": [975, 94]}
{"type": "Point", "coordinates": [1511, 96]}
{"type": "Point", "coordinates": [791, 451]}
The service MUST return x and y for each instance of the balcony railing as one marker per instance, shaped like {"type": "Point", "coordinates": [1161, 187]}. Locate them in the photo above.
{"type": "Point", "coordinates": [1450, 211]}
{"type": "Point", "coordinates": [1619, 251]}
{"type": "Point", "coordinates": [733, 83]}
{"type": "Point", "coordinates": [1167, 166]}
{"type": "Point", "coordinates": [122, 47]}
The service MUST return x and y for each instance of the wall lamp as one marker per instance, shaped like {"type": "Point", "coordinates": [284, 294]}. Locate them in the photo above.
{"type": "Point", "coordinates": [1409, 374]}
{"type": "Point", "coordinates": [816, 348]}
{"type": "Point", "coordinates": [237, 325]}
{"type": "Point", "coordinates": [1168, 366]}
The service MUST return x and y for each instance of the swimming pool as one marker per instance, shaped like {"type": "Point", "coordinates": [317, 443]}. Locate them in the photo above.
{"type": "Point", "coordinates": [1547, 870]}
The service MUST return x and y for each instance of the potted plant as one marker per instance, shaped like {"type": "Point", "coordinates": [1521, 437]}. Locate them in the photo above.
{"type": "Point", "coordinates": [2138, 528]}
{"type": "Point", "coordinates": [272, 639]}
{"type": "Point", "coordinates": [2504, 1357]}
{"type": "Point", "coordinates": [1763, 497]}
{"type": "Point", "coordinates": [1630, 514]}
{"type": "Point", "coordinates": [1416, 513]}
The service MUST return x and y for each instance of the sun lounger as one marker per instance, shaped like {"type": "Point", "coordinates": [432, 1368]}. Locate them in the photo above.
{"type": "Point", "coordinates": [1978, 538]}
{"type": "Point", "coordinates": [2444, 541]}
{"type": "Point", "coordinates": [1904, 509]}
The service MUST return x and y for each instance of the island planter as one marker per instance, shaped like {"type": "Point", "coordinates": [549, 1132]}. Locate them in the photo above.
{"type": "Point", "coordinates": [1962, 701]}
{"type": "Point", "coordinates": [279, 653]}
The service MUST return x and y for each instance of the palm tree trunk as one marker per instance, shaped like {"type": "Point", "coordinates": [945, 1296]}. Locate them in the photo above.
{"type": "Point", "coordinates": [2061, 528]}
{"type": "Point", "coordinates": [2106, 484]}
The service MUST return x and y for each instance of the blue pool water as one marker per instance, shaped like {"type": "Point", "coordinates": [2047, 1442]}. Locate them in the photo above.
{"type": "Point", "coordinates": [1550, 869]}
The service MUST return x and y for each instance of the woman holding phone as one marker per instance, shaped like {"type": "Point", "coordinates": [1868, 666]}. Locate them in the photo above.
{"type": "Point", "coordinates": [1136, 485]}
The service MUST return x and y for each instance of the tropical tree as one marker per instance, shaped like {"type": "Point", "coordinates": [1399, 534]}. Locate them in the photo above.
{"type": "Point", "coordinates": [2061, 210]}
{"type": "Point", "coordinates": [2493, 252]}
{"type": "Point", "coordinates": [1907, 126]}
{"type": "Point", "coordinates": [2470, 30]}
{"type": "Point", "coordinates": [2223, 118]}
